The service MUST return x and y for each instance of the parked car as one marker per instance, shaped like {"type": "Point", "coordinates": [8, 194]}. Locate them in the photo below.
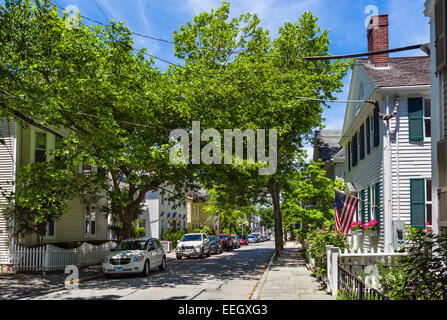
{"type": "Point", "coordinates": [226, 240]}
{"type": "Point", "coordinates": [236, 243]}
{"type": "Point", "coordinates": [215, 244]}
{"type": "Point", "coordinates": [135, 256]}
{"type": "Point", "coordinates": [266, 238]}
{"type": "Point", "coordinates": [251, 239]}
{"type": "Point", "coordinates": [193, 244]}
{"type": "Point", "coordinates": [244, 240]}
{"type": "Point", "coordinates": [257, 235]}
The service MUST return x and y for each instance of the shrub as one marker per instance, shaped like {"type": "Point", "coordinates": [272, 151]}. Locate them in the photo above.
{"type": "Point", "coordinates": [139, 232]}
{"type": "Point", "coordinates": [316, 244]}
{"type": "Point", "coordinates": [173, 235]}
{"type": "Point", "coordinates": [423, 273]}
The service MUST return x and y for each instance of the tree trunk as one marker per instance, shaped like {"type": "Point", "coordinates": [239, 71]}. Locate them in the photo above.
{"type": "Point", "coordinates": [274, 190]}
{"type": "Point", "coordinates": [218, 223]}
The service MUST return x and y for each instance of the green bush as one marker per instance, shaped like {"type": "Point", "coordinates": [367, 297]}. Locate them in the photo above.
{"type": "Point", "coordinates": [173, 235]}
{"type": "Point", "coordinates": [316, 243]}
{"type": "Point", "coordinates": [423, 273]}
{"type": "Point", "coordinates": [139, 232]}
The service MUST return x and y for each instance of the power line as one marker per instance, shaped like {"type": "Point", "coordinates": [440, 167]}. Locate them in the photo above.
{"type": "Point", "coordinates": [105, 16]}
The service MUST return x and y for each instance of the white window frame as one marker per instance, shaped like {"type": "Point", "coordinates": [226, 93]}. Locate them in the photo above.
{"type": "Point", "coordinates": [372, 198]}
{"type": "Point", "coordinates": [87, 232]}
{"type": "Point", "coordinates": [426, 201]}
{"type": "Point", "coordinates": [426, 139]}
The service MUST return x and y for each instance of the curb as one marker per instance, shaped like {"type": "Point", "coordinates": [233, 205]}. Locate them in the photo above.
{"type": "Point", "coordinates": [258, 287]}
{"type": "Point", "coordinates": [80, 280]}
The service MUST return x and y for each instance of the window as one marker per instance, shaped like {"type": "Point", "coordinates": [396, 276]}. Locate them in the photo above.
{"type": "Point", "coordinates": [375, 198]}
{"type": "Point", "coordinates": [40, 147]}
{"type": "Point", "coordinates": [47, 230]}
{"type": "Point", "coordinates": [90, 220]}
{"type": "Point", "coordinates": [428, 200]}
{"type": "Point", "coordinates": [427, 118]}
{"type": "Point", "coordinates": [366, 213]}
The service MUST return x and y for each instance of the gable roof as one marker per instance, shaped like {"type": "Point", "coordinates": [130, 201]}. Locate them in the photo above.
{"type": "Point", "coordinates": [402, 71]}
{"type": "Point", "coordinates": [326, 144]}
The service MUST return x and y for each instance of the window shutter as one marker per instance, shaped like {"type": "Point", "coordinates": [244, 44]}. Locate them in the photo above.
{"type": "Point", "coordinates": [417, 200]}
{"type": "Point", "coordinates": [354, 150]}
{"type": "Point", "coordinates": [368, 205]}
{"type": "Point", "coordinates": [376, 127]}
{"type": "Point", "coordinates": [363, 197]}
{"type": "Point", "coordinates": [415, 124]}
{"type": "Point", "coordinates": [348, 153]}
{"type": "Point", "coordinates": [377, 202]}
{"type": "Point", "coordinates": [368, 136]}
{"type": "Point", "coordinates": [362, 141]}
{"type": "Point", "coordinates": [440, 34]}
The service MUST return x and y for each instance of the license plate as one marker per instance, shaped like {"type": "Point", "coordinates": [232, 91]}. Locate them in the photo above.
{"type": "Point", "coordinates": [118, 268]}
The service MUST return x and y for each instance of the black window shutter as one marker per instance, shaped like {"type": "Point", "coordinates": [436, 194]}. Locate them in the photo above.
{"type": "Point", "coordinates": [348, 153]}
{"type": "Point", "coordinates": [376, 127]}
{"type": "Point", "coordinates": [417, 201]}
{"type": "Point", "coordinates": [368, 136]}
{"type": "Point", "coordinates": [354, 150]}
{"type": "Point", "coordinates": [362, 141]}
{"type": "Point", "coordinates": [415, 124]}
{"type": "Point", "coordinates": [377, 203]}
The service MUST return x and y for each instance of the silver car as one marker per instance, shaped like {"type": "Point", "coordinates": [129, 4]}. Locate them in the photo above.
{"type": "Point", "coordinates": [135, 256]}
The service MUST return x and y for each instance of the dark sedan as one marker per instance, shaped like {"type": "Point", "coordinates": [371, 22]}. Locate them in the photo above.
{"type": "Point", "coordinates": [215, 245]}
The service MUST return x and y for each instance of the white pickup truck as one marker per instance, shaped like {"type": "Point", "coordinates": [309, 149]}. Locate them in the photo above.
{"type": "Point", "coordinates": [193, 244]}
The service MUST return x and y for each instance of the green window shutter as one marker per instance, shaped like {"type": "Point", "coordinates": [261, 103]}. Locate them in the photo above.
{"type": "Point", "coordinates": [362, 141]}
{"type": "Point", "coordinates": [376, 127]}
{"type": "Point", "coordinates": [417, 202]}
{"type": "Point", "coordinates": [377, 202]}
{"type": "Point", "coordinates": [415, 121]}
{"type": "Point", "coordinates": [354, 150]}
{"type": "Point", "coordinates": [369, 204]}
{"type": "Point", "coordinates": [368, 136]}
{"type": "Point", "coordinates": [363, 197]}
{"type": "Point", "coordinates": [348, 153]}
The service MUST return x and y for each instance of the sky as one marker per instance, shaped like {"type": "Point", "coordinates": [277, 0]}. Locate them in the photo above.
{"type": "Point", "coordinates": [344, 18]}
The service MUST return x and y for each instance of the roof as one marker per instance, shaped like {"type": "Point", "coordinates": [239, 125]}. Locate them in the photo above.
{"type": "Point", "coordinates": [402, 71]}
{"type": "Point", "coordinates": [326, 144]}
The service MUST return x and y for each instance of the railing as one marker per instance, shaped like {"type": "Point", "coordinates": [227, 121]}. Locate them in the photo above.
{"type": "Point", "coordinates": [51, 258]}
{"type": "Point", "coordinates": [355, 288]}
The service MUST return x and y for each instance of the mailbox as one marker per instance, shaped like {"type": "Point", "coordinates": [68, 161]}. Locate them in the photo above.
{"type": "Point", "coordinates": [398, 234]}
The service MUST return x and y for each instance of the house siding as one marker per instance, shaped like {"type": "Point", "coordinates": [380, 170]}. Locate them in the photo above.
{"type": "Point", "coordinates": [6, 176]}
{"type": "Point", "coordinates": [410, 159]}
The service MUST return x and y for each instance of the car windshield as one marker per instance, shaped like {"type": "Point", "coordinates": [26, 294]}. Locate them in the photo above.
{"type": "Point", "coordinates": [250, 237]}
{"type": "Point", "coordinates": [131, 245]}
{"type": "Point", "coordinates": [191, 237]}
{"type": "Point", "coordinates": [223, 236]}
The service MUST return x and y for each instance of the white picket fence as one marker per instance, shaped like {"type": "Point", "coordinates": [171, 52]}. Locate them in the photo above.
{"type": "Point", "coordinates": [361, 263]}
{"type": "Point", "coordinates": [51, 258]}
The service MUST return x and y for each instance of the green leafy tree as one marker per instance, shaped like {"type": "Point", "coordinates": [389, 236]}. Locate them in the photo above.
{"type": "Point", "coordinates": [309, 200]}
{"type": "Point", "coordinates": [254, 85]}
{"type": "Point", "coordinates": [118, 107]}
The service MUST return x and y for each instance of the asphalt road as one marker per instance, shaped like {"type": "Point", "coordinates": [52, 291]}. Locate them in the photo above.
{"type": "Point", "coordinates": [230, 275]}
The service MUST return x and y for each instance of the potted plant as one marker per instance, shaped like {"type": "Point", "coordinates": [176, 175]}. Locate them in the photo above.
{"type": "Point", "coordinates": [370, 228]}
{"type": "Point", "coordinates": [357, 235]}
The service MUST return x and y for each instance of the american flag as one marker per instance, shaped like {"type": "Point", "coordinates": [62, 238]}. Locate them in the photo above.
{"type": "Point", "coordinates": [344, 211]}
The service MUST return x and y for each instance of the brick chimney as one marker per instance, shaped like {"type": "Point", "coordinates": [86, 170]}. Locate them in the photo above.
{"type": "Point", "coordinates": [378, 39]}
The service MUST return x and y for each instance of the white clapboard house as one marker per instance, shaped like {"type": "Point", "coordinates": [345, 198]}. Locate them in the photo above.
{"type": "Point", "coordinates": [388, 162]}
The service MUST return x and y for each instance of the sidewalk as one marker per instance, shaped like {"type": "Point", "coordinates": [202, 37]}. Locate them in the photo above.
{"type": "Point", "coordinates": [289, 279]}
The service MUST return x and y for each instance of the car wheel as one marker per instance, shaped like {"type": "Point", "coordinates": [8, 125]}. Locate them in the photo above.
{"type": "Point", "coordinates": [209, 252]}
{"type": "Point", "coordinates": [163, 264]}
{"type": "Point", "coordinates": [146, 269]}
{"type": "Point", "coordinates": [179, 257]}
{"type": "Point", "coordinates": [201, 254]}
